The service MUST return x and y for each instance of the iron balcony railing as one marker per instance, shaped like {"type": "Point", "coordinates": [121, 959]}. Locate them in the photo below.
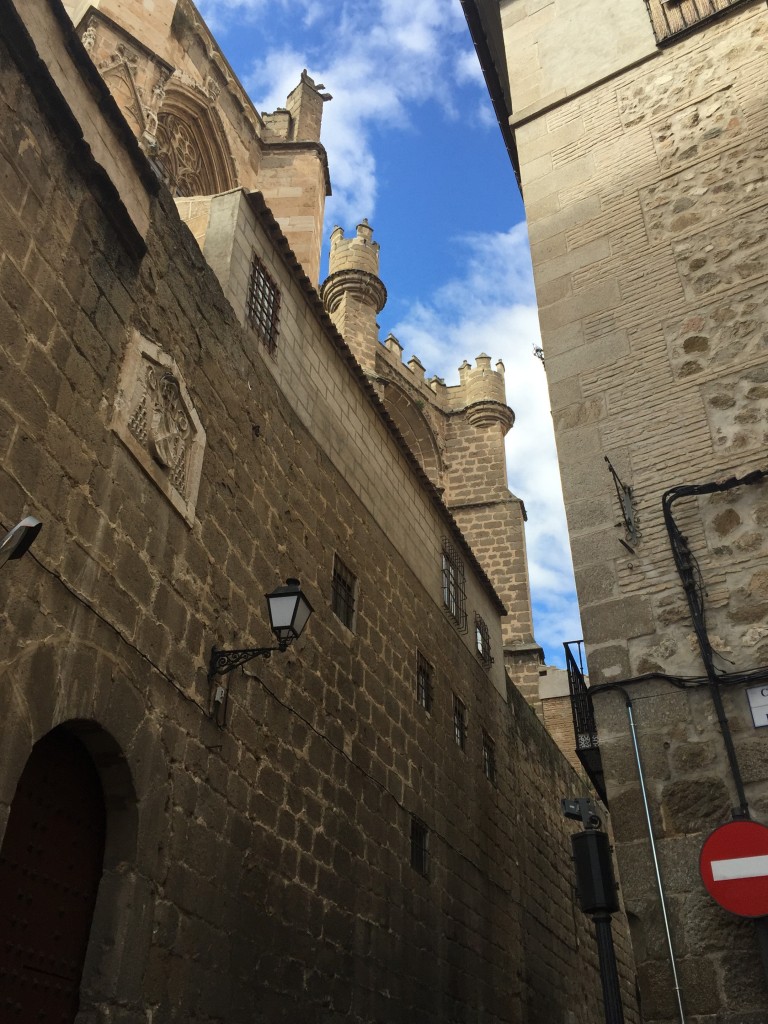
{"type": "Point", "coordinates": [584, 726]}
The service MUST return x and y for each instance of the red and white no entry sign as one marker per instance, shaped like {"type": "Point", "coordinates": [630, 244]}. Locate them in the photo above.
{"type": "Point", "coordinates": [734, 867]}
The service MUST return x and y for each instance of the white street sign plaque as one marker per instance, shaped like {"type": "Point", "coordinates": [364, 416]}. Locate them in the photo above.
{"type": "Point", "coordinates": [758, 704]}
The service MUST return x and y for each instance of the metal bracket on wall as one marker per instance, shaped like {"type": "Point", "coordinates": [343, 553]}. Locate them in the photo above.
{"type": "Point", "coordinates": [628, 514]}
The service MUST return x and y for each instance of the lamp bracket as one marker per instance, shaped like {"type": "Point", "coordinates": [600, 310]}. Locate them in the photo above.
{"type": "Point", "coordinates": [628, 512]}
{"type": "Point", "coordinates": [223, 662]}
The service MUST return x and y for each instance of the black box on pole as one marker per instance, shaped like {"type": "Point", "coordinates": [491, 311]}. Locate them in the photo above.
{"type": "Point", "coordinates": [595, 881]}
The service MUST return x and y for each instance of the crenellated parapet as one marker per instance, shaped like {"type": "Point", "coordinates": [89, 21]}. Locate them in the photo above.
{"type": "Point", "coordinates": [481, 394]}
{"type": "Point", "coordinates": [353, 270]}
{"type": "Point", "coordinates": [456, 433]}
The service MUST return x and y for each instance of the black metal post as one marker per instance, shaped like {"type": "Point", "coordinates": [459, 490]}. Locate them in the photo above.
{"type": "Point", "coordinates": [609, 973]}
{"type": "Point", "coordinates": [762, 934]}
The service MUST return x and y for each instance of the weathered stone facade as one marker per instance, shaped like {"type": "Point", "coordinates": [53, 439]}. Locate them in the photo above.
{"type": "Point", "coordinates": [197, 124]}
{"type": "Point", "coordinates": [457, 434]}
{"type": "Point", "coordinates": [259, 871]}
{"type": "Point", "coordinates": [644, 178]}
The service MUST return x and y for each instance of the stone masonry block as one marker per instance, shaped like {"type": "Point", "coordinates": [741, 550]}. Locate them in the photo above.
{"type": "Point", "coordinates": [617, 620]}
{"type": "Point", "coordinates": [723, 256]}
{"type": "Point", "coordinates": [696, 130]}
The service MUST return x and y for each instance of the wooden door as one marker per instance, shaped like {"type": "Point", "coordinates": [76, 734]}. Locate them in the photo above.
{"type": "Point", "coordinates": [50, 866]}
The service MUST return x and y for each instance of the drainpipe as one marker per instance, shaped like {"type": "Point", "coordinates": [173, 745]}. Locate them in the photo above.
{"type": "Point", "coordinates": [654, 854]}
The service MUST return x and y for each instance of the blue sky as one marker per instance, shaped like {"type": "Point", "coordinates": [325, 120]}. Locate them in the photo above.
{"type": "Point", "coordinates": [413, 145]}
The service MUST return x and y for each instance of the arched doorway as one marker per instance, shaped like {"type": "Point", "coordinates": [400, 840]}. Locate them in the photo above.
{"type": "Point", "coordinates": [50, 866]}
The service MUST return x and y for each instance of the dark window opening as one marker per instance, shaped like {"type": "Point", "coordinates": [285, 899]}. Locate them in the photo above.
{"type": "Point", "coordinates": [483, 641]}
{"type": "Point", "coordinates": [343, 593]}
{"type": "Point", "coordinates": [459, 722]}
{"type": "Point", "coordinates": [423, 682]}
{"type": "Point", "coordinates": [489, 758]}
{"type": "Point", "coordinates": [419, 846]}
{"type": "Point", "coordinates": [454, 592]}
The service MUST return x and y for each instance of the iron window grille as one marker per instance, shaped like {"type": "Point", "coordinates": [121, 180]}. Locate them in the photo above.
{"type": "Point", "coordinates": [343, 587]}
{"type": "Point", "coordinates": [489, 758]}
{"type": "Point", "coordinates": [483, 641]}
{"type": "Point", "coordinates": [423, 681]}
{"type": "Point", "coordinates": [419, 846]}
{"type": "Point", "coordinates": [263, 305]}
{"type": "Point", "coordinates": [454, 589]}
{"type": "Point", "coordinates": [459, 722]}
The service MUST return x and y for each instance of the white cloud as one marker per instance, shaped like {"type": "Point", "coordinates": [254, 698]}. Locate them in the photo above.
{"type": "Point", "coordinates": [468, 68]}
{"type": "Point", "coordinates": [491, 308]}
{"type": "Point", "coordinates": [378, 58]}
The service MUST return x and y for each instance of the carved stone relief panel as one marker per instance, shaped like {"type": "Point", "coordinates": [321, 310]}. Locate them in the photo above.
{"type": "Point", "coordinates": [119, 78]}
{"type": "Point", "coordinates": [155, 419]}
{"type": "Point", "coordinates": [136, 77]}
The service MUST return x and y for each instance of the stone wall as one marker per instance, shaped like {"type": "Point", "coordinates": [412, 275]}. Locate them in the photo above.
{"type": "Point", "coordinates": [646, 203]}
{"type": "Point", "coordinates": [260, 871]}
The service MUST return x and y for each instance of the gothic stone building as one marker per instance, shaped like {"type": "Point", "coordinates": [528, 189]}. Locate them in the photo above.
{"type": "Point", "coordinates": [638, 131]}
{"type": "Point", "coordinates": [365, 827]}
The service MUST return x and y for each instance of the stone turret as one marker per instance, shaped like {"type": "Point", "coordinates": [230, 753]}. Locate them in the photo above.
{"type": "Point", "coordinates": [353, 293]}
{"type": "Point", "coordinates": [481, 394]}
{"type": "Point", "coordinates": [456, 433]}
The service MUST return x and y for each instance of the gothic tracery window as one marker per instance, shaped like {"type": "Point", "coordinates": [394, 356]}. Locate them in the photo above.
{"type": "Point", "coordinates": [180, 159]}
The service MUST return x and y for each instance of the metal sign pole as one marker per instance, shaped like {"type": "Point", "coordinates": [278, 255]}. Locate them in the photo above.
{"type": "Point", "coordinates": [762, 935]}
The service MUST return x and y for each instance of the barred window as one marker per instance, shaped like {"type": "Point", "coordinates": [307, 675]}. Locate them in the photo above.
{"type": "Point", "coordinates": [419, 846]}
{"type": "Point", "coordinates": [459, 722]}
{"type": "Point", "coordinates": [489, 758]}
{"type": "Point", "coordinates": [263, 305]}
{"type": "Point", "coordinates": [454, 592]}
{"type": "Point", "coordinates": [343, 588]}
{"type": "Point", "coordinates": [423, 681]}
{"type": "Point", "coordinates": [483, 641]}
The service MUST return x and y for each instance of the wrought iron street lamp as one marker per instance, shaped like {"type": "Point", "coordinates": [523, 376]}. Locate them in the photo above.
{"type": "Point", "coordinates": [289, 611]}
{"type": "Point", "coordinates": [18, 540]}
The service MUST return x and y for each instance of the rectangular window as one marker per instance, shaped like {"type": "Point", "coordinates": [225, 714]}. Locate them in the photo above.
{"type": "Point", "coordinates": [263, 305]}
{"type": "Point", "coordinates": [454, 592]}
{"type": "Point", "coordinates": [343, 587]}
{"type": "Point", "coordinates": [423, 682]}
{"type": "Point", "coordinates": [483, 641]}
{"type": "Point", "coordinates": [419, 846]}
{"type": "Point", "coordinates": [489, 758]}
{"type": "Point", "coordinates": [459, 722]}
{"type": "Point", "coordinates": [672, 18]}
